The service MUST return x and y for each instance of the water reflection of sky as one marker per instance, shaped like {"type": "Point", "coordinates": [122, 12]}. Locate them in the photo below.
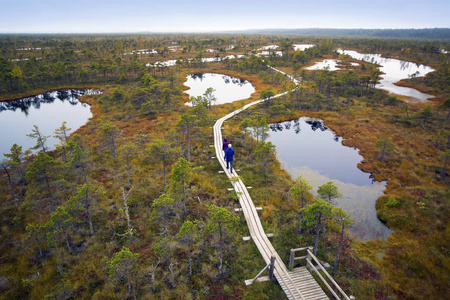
{"type": "Point", "coordinates": [47, 111]}
{"type": "Point", "coordinates": [306, 147]}
{"type": "Point", "coordinates": [326, 64]}
{"type": "Point", "coordinates": [395, 70]}
{"type": "Point", "coordinates": [269, 47]}
{"type": "Point", "coordinates": [173, 62]}
{"type": "Point", "coordinates": [227, 88]}
{"type": "Point", "coordinates": [302, 47]}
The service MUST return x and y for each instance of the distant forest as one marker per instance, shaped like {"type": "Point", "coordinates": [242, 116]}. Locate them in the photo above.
{"type": "Point", "coordinates": [425, 33]}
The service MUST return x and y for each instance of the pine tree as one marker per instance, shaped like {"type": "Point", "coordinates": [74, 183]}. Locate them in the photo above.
{"type": "Point", "coordinates": [15, 160]}
{"type": "Point", "coordinates": [301, 191]}
{"type": "Point", "coordinates": [186, 125]}
{"type": "Point", "coordinates": [180, 180]}
{"type": "Point", "coordinates": [314, 216]}
{"type": "Point", "coordinates": [41, 175]}
{"type": "Point", "coordinates": [188, 238]}
{"type": "Point", "coordinates": [109, 133]}
{"type": "Point", "coordinates": [162, 151]}
{"type": "Point", "coordinates": [40, 139]}
{"type": "Point", "coordinates": [264, 155]}
{"type": "Point", "coordinates": [62, 134]}
{"type": "Point", "coordinates": [344, 220]}
{"type": "Point", "coordinates": [221, 223]}
{"type": "Point", "coordinates": [385, 146]}
{"type": "Point", "coordinates": [122, 265]}
{"type": "Point", "coordinates": [162, 207]}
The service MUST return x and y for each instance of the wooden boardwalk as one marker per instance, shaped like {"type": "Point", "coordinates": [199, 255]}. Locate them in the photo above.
{"type": "Point", "coordinates": [298, 284]}
{"type": "Point", "coordinates": [307, 285]}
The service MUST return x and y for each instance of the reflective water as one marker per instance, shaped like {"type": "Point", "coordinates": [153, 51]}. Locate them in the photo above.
{"type": "Point", "coordinates": [267, 53]}
{"type": "Point", "coordinates": [306, 147]}
{"type": "Point", "coordinates": [29, 49]}
{"type": "Point", "coordinates": [329, 65]}
{"type": "Point", "coordinates": [228, 88]}
{"type": "Point", "coordinates": [395, 70]}
{"type": "Point", "coordinates": [23, 59]}
{"type": "Point", "coordinates": [326, 64]}
{"type": "Point", "coordinates": [270, 47]}
{"type": "Point", "coordinates": [47, 111]}
{"type": "Point", "coordinates": [302, 47]}
{"type": "Point", "coordinates": [166, 63]}
{"type": "Point", "coordinates": [142, 51]}
{"type": "Point", "coordinates": [173, 62]}
{"type": "Point", "coordinates": [266, 49]}
{"type": "Point", "coordinates": [170, 63]}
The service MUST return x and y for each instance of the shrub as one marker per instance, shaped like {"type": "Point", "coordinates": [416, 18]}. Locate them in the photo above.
{"type": "Point", "coordinates": [391, 100]}
{"type": "Point", "coordinates": [392, 202]}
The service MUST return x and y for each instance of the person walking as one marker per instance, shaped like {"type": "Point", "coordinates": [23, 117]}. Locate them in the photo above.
{"type": "Point", "coordinates": [225, 144]}
{"type": "Point", "coordinates": [229, 153]}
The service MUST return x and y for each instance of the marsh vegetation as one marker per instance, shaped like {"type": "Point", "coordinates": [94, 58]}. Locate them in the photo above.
{"type": "Point", "coordinates": [131, 204]}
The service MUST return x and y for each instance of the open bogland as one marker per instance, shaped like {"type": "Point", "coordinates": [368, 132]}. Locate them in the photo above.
{"type": "Point", "coordinates": [120, 213]}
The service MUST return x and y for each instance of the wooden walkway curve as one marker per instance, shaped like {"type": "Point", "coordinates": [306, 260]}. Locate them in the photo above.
{"type": "Point", "coordinates": [298, 284]}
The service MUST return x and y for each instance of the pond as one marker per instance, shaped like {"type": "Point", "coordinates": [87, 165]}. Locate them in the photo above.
{"type": "Point", "coordinates": [326, 64]}
{"type": "Point", "coordinates": [268, 50]}
{"type": "Point", "coordinates": [173, 62]}
{"type": "Point", "coordinates": [267, 53]}
{"type": "Point", "coordinates": [270, 47]}
{"type": "Point", "coordinates": [329, 65]}
{"type": "Point", "coordinates": [47, 111]}
{"type": "Point", "coordinates": [227, 88]}
{"type": "Point", "coordinates": [395, 70]}
{"type": "Point", "coordinates": [302, 47]}
{"type": "Point", "coordinates": [306, 147]}
{"type": "Point", "coordinates": [264, 52]}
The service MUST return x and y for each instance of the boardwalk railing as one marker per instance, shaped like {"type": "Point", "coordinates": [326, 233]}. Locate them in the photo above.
{"type": "Point", "coordinates": [311, 257]}
{"type": "Point", "coordinates": [292, 257]}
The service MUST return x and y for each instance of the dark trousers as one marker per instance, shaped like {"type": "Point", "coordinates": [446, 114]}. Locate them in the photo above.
{"type": "Point", "coordinates": [230, 164]}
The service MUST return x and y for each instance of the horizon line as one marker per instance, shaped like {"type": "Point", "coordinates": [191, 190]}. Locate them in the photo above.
{"type": "Point", "coordinates": [218, 31]}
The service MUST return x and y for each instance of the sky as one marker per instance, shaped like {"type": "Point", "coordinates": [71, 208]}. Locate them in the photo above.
{"type": "Point", "coordinates": [103, 16]}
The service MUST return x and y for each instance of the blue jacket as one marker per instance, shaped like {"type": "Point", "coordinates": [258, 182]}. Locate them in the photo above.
{"type": "Point", "coordinates": [229, 154]}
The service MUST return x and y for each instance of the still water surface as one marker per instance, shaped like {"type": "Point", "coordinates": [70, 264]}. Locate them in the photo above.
{"type": "Point", "coordinates": [227, 88]}
{"type": "Point", "coordinates": [47, 111]}
{"type": "Point", "coordinates": [326, 64]}
{"type": "Point", "coordinates": [302, 47]}
{"type": "Point", "coordinates": [395, 70]}
{"type": "Point", "coordinates": [306, 147]}
{"type": "Point", "coordinates": [173, 62]}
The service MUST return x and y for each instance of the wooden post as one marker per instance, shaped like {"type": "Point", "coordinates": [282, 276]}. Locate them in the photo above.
{"type": "Point", "coordinates": [308, 259]}
{"type": "Point", "coordinates": [271, 267]}
{"type": "Point", "coordinates": [291, 259]}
